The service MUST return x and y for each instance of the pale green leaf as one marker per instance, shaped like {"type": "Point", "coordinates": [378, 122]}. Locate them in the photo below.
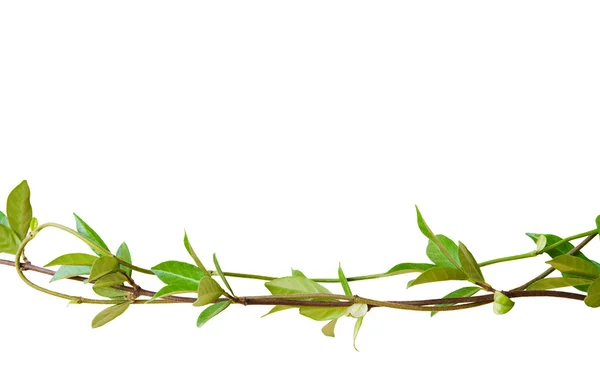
{"type": "Point", "coordinates": [436, 255]}
{"type": "Point", "coordinates": [358, 310]}
{"type": "Point", "coordinates": [124, 254]}
{"type": "Point", "coordinates": [540, 243]}
{"type": "Point", "coordinates": [179, 273]}
{"type": "Point", "coordinates": [431, 236]}
{"type": "Point", "coordinates": [211, 311]}
{"type": "Point", "coordinates": [74, 259]}
{"type": "Point", "coordinates": [188, 247]}
{"type": "Point", "coordinates": [18, 209]}
{"type": "Point", "coordinates": [574, 265]}
{"type": "Point", "coordinates": [502, 303]}
{"type": "Point", "coordinates": [85, 230]}
{"type": "Point", "coordinates": [344, 281]}
{"type": "Point", "coordinates": [323, 313]}
{"type": "Point", "coordinates": [294, 285]}
{"type": "Point", "coordinates": [438, 274]}
{"type": "Point", "coordinates": [208, 291]}
{"type": "Point", "coordinates": [4, 219]}
{"type": "Point", "coordinates": [297, 273]}
{"type": "Point", "coordinates": [223, 278]}
{"type": "Point", "coordinates": [67, 271]}
{"type": "Point", "coordinates": [463, 292]}
{"type": "Point", "coordinates": [593, 296]}
{"type": "Point", "coordinates": [469, 264]}
{"type": "Point", "coordinates": [357, 326]}
{"type": "Point", "coordinates": [403, 268]}
{"type": "Point", "coordinates": [172, 290]}
{"type": "Point", "coordinates": [9, 241]}
{"type": "Point", "coordinates": [103, 266]}
{"type": "Point", "coordinates": [111, 279]}
{"type": "Point", "coordinates": [329, 328]}
{"type": "Point", "coordinates": [277, 309]}
{"type": "Point", "coordinates": [109, 292]}
{"type": "Point", "coordinates": [109, 314]}
{"type": "Point", "coordinates": [558, 282]}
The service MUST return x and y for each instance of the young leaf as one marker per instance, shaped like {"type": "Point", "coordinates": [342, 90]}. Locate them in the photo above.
{"type": "Point", "coordinates": [431, 236]}
{"type": "Point", "coordinates": [463, 292]}
{"type": "Point", "coordinates": [67, 271]}
{"type": "Point", "coordinates": [172, 290]}
{"type": "Point", "coordinates": [179, 273]}
{"type": "Point", "coordinates": [323, 313]}
{"type": "Point", "coordinates": [111, 279]}
{"type": "Point", "coordinates": [502, 303]}
{"type": "Point", "coordinates": [124, 254]}
{"type": "Point", "coordinates": [438, 274]}
{"type": "Point", "coordinates": [4, 219]}
{"type": "Point", "coordinates": [540, 243]}
{"type": "Point", "coordinates": [558, 282]}
{"type": "Point", "coordinates": [436, 255]}
{"type": "Point", "coordinates": [109, 292]}
{"type": "Point", "coordinates": [103, 266]}
{"type": "Point", "coordinates": [593, 297]}
{"type": "Point", "coordinates": [277, 308]}
{"type": "Point", "coordinates": [188, 247]}
{"type": "Point", "coordinates": [208, 291]}
{"type": "Point", "coordinates": [18, 209]}
{"type": "Point", "coordinates": [218, 267]}
{"type": "Point", "coordinates": [9, 241]}
{"type": "Point", "coordinates": [344, 281]}
{"type": "Point", "coordinates": [574, 265]}
{"type": "Point", "coordinates": [358, 310]}
{"type": "Point", "coordinates": [109, 314]}
{"type": "Point", "coordinates": [294, 285]}
{"type": "Point", "coordinates": [357, 326]}
{"type": "Point", "coordinates": [469, 264]}
{"type": "Point", "coordinates": [211, 311]}
{"type": "Point", "coordinates": [329, 328]}
{"type": "Point", "coordinates": [297, 273]}
{"type": "Point", "coordinates": [409, 268]}
{"type": "Point", "coordinates": [90, 234]}
{"type": "Point", "coordinates": [74, 259]}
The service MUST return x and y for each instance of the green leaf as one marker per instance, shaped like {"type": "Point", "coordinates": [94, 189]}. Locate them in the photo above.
{"type": "Point", "coordinates": [409, 268]}
{"type": "Point", "coordinates": [344, 281]}
{"type": "Point", "coordinates": [74, 259]}
{"type": "Point", "coordinates": [277, 308]}
{"type": "Point", "coordinates": [469, 264]}
{"type": "Point", "coordinates": [431, 236]}
{"type": "Point", "coordinates": [18, 209]}
{"type": "Point", "coordinates": [218, 267]}
{"type": "Point", "coordinates": [85, 230]}
{"type": "Point", "coordinates": [593, 297]}
{"type": "Point", "coordinates": [208, 291]}
{"type": "Point", "coordinates": [357, 326]}
{"type": "Point", "coordinates": [124, 254]}
{"type": "Point", "coordinates": [179, 273]}
{"type": "Point", "coordinates": [109, 292]}
{"type": "Point", "coordinates": [4, 219]}
{"type": "Point", "coordinates": [294, 285]}
{"type": "Point", "coordinates": [358, 310]}
{"type": "Point", "coordinates": [463, 292]}
{"type": "Point", "coordinates": [111, 279]}
{"type": "Point", "coordinates": [329, 328]}
{"type": "Point", "coordinates": [438, 274]}
{"type": "Point", "coordinates": [297, 273]}
{"type": "Point", "coordinates": [109, 314]}
{"type": "Point", "coordinates": [540, 243]}
{"type": "Point", "coordinates": [558, 282]}
{"type": "Point", "coordinates": [323, 313]}
{"type": "Point", "coordinates": [188, 247]}
{"type": "Point", "coordinates": [211, 311]}
{"type": "Point", "coordinates": [172, 290]}
{"type": "Point", "coordinates": [67, 271]}
{"type": "Point", "coordinates": [9, 241]}
{"type": "Point", "coordinates": [574, 265]}
{"type": "Point", "coordinates": [103, 266]}
{"type": "Point", "coordinates": [438, 257]}
{"type": "Point", "coordinates": [502, 303]}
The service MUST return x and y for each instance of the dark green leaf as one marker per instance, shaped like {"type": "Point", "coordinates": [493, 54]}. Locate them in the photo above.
{"type": "Point", "coordinates": [109, 314]}
{"type": "Point", "coordinates": [357, 326]}
{"type": "Point", "coordinates": [344, 281]}
{"type": "Point", "coordinates": [463, 292]}
{"type": "Point", "coordinates": [109, 292]}
{"type": "Point", "coordinates": [502, 303]}
{"type": "Point", "coordinates": [438, 274]}
{"type": "Point", "coordinates": [574, 265]}
{"type": "Point", "coordinates": [124, 254]}
{"type": "Point", "coordinates": [18, 209]}
{"type": "Point", "coordinates": [409, 268]}
{"type": "Point", "coordinates": [111, 279]}
{"type": "Point", "coordinates": [277, 309]}
{"type": "Point", "coordinates": [558, 282]}
{"type": "Point", "coordinates": [469, 264]}
{"type": "Point", "coordinates": [9, 241]}
{"type": "Point", "coordinates": [103, 266]}
{"type": "Point", "coordinates": [431, 236]}
{"type": "Point", "coordinates": [172, 290]}
{"type": "Point", "coordinates": [294, 285]}
{"type": "Point", "coordinates": [323, 313]}
{"type": "Point", "coordinates": [211, 311]}
{"type": "Point", "coordinates": [74, 259]}
{"type": "Point", "coordinates": [593, 297]}
{"type": "Point", "coordinates": [218, 267]}
{"type": "Point", "coordinates": [179, 273]}
{"type": "Point", "coordinates": [329, 328]}
{"type": "Point", "coordinates": [208, 291]}
{"type": "Point", "coordinates": [67, 271]}
{"type": "Point", "coordinates": [437, 256]}
{"type": "Point", "coordinates": [4, 219]}
{"type": "Point", "coordinates": [90, 234]}
{"type": "Point", "coordinates": [188, 247]}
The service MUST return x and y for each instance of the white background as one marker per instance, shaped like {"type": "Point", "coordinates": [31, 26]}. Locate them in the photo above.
{"type": "Point", "coordinates": [301, 134]}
